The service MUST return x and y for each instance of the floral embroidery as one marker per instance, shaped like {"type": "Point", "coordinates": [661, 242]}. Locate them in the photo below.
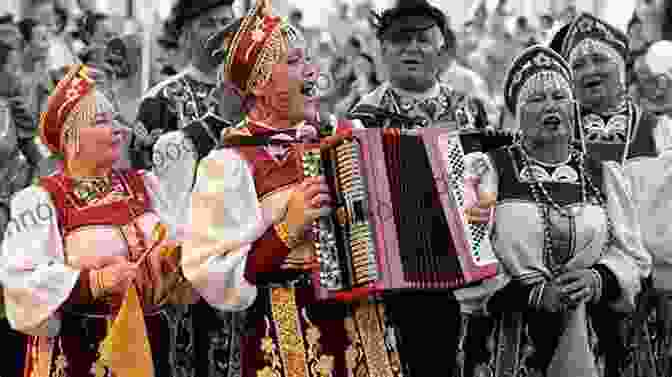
{"type": "Point", "coordinates": [271, 355]}
{"type": "Point", "coordinates": [320, 365]}
{"type": "Point", "coordinates": [286, 317]}
{"type": "Point", "coordinates": [354, 354]}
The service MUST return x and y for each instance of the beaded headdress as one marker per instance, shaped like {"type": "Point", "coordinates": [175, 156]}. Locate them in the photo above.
{"type": "Point", "coordinates": [588, 34]}
{"type": "Point", "coordinates": [261, 40]}
{"type": "Point", "coordinates": [535, 65]}
{"type": "Point", "coordinates": [73, 103]}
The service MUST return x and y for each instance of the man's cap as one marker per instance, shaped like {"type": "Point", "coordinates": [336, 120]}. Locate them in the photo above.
{"type": "Point", "coordinates": [186, 10]}
{"type": "Point", "coordinates": [409, 16]}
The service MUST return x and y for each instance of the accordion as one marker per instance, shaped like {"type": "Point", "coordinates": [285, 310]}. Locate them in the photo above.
{"type": "Point", "coordinates": [399, 221]}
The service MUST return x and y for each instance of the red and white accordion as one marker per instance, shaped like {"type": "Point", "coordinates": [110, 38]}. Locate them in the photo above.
{"type": "Point", "coordinates": [399, 220]}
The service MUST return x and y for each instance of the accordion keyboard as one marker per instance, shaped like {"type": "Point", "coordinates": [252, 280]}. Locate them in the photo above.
{"type": "Point", "coordinates": [350, 178]}
{"type": "Point", "coordinates": [475, 233]}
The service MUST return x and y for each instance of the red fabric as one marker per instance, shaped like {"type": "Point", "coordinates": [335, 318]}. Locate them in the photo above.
{"type": "Point", "coordinates": [247, 51]}
{"type": "Point", "coordinates": [266, 256]}
{"type": "Point", "coordinates": [72, 212]}
{"type": "Point", "coordinates": [67, 94]}
{"type": "Point", "coordinates": [327, 318]}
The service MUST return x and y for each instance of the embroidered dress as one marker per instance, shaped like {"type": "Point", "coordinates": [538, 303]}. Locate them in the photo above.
{"type": "Point", "coordinates": [239, 199]}
{"type": "Point", "coordinates": [55, 225]}
{"type": "Point", "coordinates": [177, 106]}
{"type": "Point", "coordinates": [620, 135]}
{"type": "Point", "coordinates": [580, 233]}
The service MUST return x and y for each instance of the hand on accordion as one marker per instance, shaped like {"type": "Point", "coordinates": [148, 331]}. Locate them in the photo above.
{"type": "Point", "coordinates": [483, 212]}
{"type": "Point", "coordinates": [307, 263]}
{"type": "Point", "coordinates": [309, 201]}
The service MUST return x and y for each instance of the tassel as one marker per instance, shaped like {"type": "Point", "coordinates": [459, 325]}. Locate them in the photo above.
{"type": "Point", "coordinates": [126, 349]}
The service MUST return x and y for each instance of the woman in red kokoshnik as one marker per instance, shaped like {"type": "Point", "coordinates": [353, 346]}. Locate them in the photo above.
{"type": "Point", "coordinates": [73, 249]}
{"type": "Point", "coordinates": [253, 202]}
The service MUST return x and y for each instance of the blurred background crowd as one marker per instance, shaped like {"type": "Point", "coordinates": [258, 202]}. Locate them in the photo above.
{"type": "Point", "coordinates": [37, 37]}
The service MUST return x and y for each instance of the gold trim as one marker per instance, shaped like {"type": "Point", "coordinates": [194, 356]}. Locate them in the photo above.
{"type": "Point", "coordinates": [373, 340]}
{"type": "Point", "coordinates": [286, 316]}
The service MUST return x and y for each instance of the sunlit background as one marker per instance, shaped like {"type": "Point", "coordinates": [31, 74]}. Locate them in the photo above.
{"type": "Point", "coordinates": [316, 12]}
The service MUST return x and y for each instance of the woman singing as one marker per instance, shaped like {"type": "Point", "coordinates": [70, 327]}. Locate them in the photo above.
{"type": "Point", "coordinates": [253, 204]}
{"type": "Point", "coordinates": [81, 237]}
{"type": "Point", "coordinates": [565, 232]}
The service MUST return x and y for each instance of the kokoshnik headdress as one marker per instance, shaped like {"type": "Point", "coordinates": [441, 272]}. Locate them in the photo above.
{"type": "Point", "coordinates": [259, 43]}
{"type": "Point", "coordinates": [588, 34]}
{"type": "Point", "coordinates": [71, 105]}
{"type": "Point", "coordinates": [536, 65]}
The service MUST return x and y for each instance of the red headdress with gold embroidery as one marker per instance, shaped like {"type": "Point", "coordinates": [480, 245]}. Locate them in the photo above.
{"type": "Point", "coordinates": [259, 43]}
{"type": "Point", "coordinates": [72, 102]}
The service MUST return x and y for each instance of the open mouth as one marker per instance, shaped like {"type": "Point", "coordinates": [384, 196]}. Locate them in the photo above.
{"type": "Point", "coordinates": [592, 82]}
{"type": "Point", "coordinates": [411, 61]}
{"type": "Point", "coordinates": [552, 120]}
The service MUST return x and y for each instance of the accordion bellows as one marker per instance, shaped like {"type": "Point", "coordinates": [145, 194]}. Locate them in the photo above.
{"type": "Point", "coordinates": [399, 220]}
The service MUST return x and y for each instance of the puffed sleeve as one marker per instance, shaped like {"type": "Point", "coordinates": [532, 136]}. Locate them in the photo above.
{"type": "Point", "coordinates": [174, 165]}
{"type": "Point", "coordinates": [36, 281]}
{"type": "Point", "coordinates": [627, 258]}
{"type": "Point", "coordinates": [225, 219]}
{"type": "Point", "coordinates": [164, 207]}
{"type": "Point", "coordinates": [474, 298]}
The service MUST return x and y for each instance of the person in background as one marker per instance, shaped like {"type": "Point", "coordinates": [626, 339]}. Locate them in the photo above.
{"type": "Point", "coordinates": [174, 115]}
{"type": "Point", "coordinates": [366, 81]}
{"type": "Point", "coordinates": [97, 31]}
{"type": "Point", "coordinates": [167, 63]}
{"type": "Point", "coordinates": [546, 26]}
{"type": "Point", "coordinates": [653, 91]}
{"type": "Point", "coordinates": [613, 126]}
{"type": "Point", "coordinates": [413, 36]}
{"type": "Point", "coordinates": [296, 20]}
{"type": "Point", "coordinates": [60, 49]}
{"type": "Point", "coordinates": [190, 94]}
{"type": "Point", "coordinates": [15, 173]}
{"type": "Point", "coordinates": [34, 75]}
{"type": "Point", "coordinates": [463, 79]}
{"type": "Point", "coordinates": [651, 183]}
{"type": "Point", "coordinates": [24, 123]}
{"type": "Point", "coordinates": [639, 44]}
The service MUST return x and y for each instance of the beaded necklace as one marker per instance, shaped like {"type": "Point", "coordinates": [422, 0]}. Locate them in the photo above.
{"type": "Point", "coordinates": [545, 202]}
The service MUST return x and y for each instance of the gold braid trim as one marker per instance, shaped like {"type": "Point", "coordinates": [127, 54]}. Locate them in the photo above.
{"type": "Point", "coordinates": [286, 316]}
{"type": "Point", "coordinates": [373, 340]}
{"type": "Point", "coordinates": [274, 49]}
{"type": "Point", "coordinates": [83, 114]}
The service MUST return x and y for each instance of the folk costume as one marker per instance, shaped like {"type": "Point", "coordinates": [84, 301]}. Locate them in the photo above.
{"type": "Point", "coordinates": [440, 106]}
{"type": "Point", "coordinates": [185, 109]}
{"type": "Point", "coordinates": [63, 222]}
{"type": "Point", "coordinates": [623, 133]}
{"type": "Point", "coordinates": [180, 99]}
{"type": "Point", "coordinates": [19, 157]}
{"type": "Point", "coordinates": [650, 179]}
{"type": "Point", "coordinates": [237, 208]}
{"type": "Point", "coordinates": [553, 218]}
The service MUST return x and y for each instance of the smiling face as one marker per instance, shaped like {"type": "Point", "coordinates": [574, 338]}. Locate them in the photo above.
{"type": "Point", "coordinates": [597, 79]}
{"type": "Point", "coordinates": [413, 58]}
{"type": "Point", "coordinates": [101, 139]}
